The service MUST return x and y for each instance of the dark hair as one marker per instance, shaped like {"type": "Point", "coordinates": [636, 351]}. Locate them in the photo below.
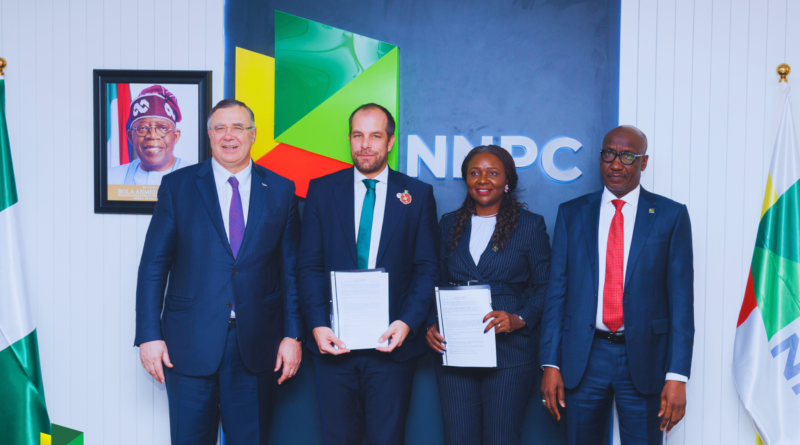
{"type": "Point", "coordinates": [372, 106]}
{"type": "Point", "coordinates": [230, 103]}
{"type": "Point", "coordinates": [507, 216]}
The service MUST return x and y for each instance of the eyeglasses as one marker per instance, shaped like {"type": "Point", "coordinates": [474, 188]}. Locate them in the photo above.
{"type": "Point", "coordinates": [160, 130]}
{"type": "Point", "coordinates": [235, 129]}
{"type": "Point", "coordinates": [625, 157]}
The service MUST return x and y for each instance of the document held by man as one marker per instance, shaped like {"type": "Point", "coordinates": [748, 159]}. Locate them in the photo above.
{"type": "Point", "coordinates": [461, 311]}
{"type": "Point", "coordinates": [360, 307]}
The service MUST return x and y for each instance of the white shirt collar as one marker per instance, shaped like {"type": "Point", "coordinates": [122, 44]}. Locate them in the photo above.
{"type": "Point", "coordinates": [383, 177]}
{"type": "Point", "coordinates": [632, 198]}
{"type": "Point", "coordinates": [221, 174]}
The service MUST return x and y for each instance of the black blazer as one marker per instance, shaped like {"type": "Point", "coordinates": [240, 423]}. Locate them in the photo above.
{"type": "Point", "coordinates": [524, 262]}
{"type": "Point", "coordinates": [408, 250]}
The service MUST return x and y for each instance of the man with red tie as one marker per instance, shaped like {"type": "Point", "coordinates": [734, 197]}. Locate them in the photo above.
{"type": "Point", "coordinates": [618, 321]}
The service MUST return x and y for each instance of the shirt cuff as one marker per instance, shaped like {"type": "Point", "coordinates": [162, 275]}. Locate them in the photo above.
{"type": "Point", "coordinates": [550, 366]}
{"type": "Point", "coordinates": [677, 377]}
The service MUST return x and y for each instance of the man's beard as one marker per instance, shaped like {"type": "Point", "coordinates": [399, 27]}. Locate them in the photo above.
{"type": "Point", "coordinates": [370, 166]}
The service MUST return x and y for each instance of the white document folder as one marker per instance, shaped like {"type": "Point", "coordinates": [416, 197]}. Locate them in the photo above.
{"type": "Point", "coordinates": [360, 312]}
{"type": "Point", "coordinates": [460, 311]}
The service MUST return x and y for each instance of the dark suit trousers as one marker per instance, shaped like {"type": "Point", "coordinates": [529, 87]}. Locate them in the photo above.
{"type": "Point", "coordinates": [363, 388]}
{"type": "Point", "coordinates": [243, 399]}
{"type": "Point", "coordinates": [484, 406]}
{"type": "Point", "coordinates": [608, 377]}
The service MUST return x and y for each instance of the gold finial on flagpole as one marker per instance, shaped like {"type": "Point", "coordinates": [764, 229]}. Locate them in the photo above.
{"type": "Point", "coordinates": [783, 71]}
{"type": "Point", "coordinates": [3, 65]}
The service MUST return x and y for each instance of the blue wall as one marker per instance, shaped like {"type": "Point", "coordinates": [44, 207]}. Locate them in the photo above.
{"type": "Point", "coordinates": [534, 68]}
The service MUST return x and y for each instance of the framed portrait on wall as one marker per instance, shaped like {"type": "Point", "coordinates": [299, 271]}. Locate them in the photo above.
{"type": "Point", "coordinates": [147, 124]}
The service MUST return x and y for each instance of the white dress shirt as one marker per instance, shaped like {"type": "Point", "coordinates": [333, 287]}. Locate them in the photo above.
{"type": "Point", "coordinates": [479, 236]}
{"type": "Point", "coordinates": [377, 214]}
{"type": "Point", "coordinates": [607, 211]}
{"type": "Point", "coordinates": [225, 192]}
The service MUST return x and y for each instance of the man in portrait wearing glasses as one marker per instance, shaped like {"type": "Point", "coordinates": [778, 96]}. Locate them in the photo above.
{"type": "Point", "coordinates": [226, 233]}
{"type": "Point", "coordinates": [153, 133]}
{"type": "Point", "coordinates": [618, 322]}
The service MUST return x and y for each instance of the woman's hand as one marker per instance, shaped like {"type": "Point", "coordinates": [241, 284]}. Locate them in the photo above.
{"type": "Point", "coordinates": [503, 322]}
{"type": "Point", "coordinates": [434, 339]}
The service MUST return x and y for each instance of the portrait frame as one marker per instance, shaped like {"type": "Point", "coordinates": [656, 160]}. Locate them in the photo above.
{"type": "Point", "coordinates": [104, 131]}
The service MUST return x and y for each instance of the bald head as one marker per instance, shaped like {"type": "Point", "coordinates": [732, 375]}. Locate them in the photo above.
{"type": "Point", "coordinates": [632, 136]}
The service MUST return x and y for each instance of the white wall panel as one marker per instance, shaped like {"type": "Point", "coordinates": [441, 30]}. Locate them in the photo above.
{"type": "Point", "coordinates": [715, 124]}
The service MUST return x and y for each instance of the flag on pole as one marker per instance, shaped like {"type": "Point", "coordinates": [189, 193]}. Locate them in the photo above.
{"type": "Point", "coordinates": [118, 109]}
{"type": "Point", "coordinates": [23, 413]}
{"type": "Point", "coordinates": [765, 368]}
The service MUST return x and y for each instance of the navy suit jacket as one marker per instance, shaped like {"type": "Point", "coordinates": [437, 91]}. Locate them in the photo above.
{"type": "Point", "coordinates": [524, 262]}
{"type": "Point", "coordinates": [658, 296]}
{"type": "Point", "coordinates": [408, 251]}
{"type": "Point", "coordinates": [187, 241]}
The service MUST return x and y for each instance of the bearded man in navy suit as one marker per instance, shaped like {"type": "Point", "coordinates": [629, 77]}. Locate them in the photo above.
{"type": "Point", "coordinates": [618, 321]}
{"type": "Point", "coordinates": [368, 217]}
{"type": "Point", "coordinates": [226, 233]}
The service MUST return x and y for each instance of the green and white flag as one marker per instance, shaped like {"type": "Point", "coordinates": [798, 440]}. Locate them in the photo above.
{"type": "Point", "coordinates": [765, 367]}
{"type": "Point", "coordinates": [23, 413]}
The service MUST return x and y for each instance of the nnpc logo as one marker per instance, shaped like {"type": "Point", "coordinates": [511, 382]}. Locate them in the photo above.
{"type": "Point", "coordinates": [523, 149]}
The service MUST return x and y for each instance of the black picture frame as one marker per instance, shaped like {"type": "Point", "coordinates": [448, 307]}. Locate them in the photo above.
{"type": "Point", "coordinates": [101, 78]}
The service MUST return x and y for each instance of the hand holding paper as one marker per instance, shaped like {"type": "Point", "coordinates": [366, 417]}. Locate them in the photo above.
{"type": "Point", "coordinates": [327, 342]}
{"type": "Point", "coordinates": [396, 334]}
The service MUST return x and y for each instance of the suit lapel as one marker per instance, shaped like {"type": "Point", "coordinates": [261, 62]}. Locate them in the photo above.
{"type": "Point", "coordinates": [208, 191]}
{"type": "Point", "coordinates": [644, 222]}
{"type": "Point", "coordinates": [591, 224]}
{"type": "Point", "coordinates": [344, 196]}
{"type": "Point", "coordinates": [259, 196]}
{"type": "Point", "coordinates": [393, 211]}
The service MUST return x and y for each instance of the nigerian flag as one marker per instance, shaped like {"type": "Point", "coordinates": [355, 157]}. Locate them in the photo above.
{"type": "Point", "coordinates": [765, 367]}
{"type": "Point", "coordinates": [23, 413]}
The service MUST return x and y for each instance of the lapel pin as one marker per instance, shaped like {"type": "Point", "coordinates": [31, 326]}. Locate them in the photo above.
{"type": "Point", "coordinates": [404, 197]}
{"type": "Point", "coordinates": [265, 185]}
{"type": "Point", "coordinates": [495, 248]}
{"type": "Point", "coordinates": [652, 210]}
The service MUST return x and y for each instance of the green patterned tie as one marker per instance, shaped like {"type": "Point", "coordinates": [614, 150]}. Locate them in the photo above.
{"type": "Point", "coordinates": [365, 226]}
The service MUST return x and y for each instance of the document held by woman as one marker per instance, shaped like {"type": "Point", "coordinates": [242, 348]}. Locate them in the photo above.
{"type": "Point", "coordinates": [461, 311]}
{"type": "Point", "coordinates": [360, 312]}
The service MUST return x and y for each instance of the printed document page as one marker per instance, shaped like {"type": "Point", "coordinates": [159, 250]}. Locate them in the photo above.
{"type": "Point", "coordinates": [360, 307]}
{"type": "Point", "coordinates": [461, 311]}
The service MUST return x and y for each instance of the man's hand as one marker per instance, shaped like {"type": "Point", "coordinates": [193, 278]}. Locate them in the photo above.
{"type": "Point", "coordinates": [395, 334]}
{"type": "Point", "coordinates": [290, 353]}
{"type": "Point", "coordinates": [325, 339]}
{"type": "Point", "coordinates": [435, 339]}
{"type": "Point", "coordinates": [152, 353]}
{"type": "Point", "coordinates": [553, 391]}
{"type": "Point", "coordinates": [503, 322]}
{"type": "Point", "coordinates": [673, 404]}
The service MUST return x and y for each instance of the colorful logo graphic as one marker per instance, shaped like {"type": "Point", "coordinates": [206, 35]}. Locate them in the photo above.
{"type": "Point", "coordinates": [62, 436]}
{"type": "Point", "coordinates": [302, 99]}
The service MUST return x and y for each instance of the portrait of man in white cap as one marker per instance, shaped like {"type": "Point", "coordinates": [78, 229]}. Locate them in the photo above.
{"type": "Point", "coordinates": [153, 133]}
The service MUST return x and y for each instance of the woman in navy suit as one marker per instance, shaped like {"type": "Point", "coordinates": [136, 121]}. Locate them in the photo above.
{"type": "Point", "coordinates": [493, 240]}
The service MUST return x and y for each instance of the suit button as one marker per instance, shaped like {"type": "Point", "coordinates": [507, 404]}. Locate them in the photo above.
{"type": "Point", "coordinates": [235, 271]}
{"type": "Point", "coordinates": [591, 326]}
{"type": "Point", "coordinates": [229, 304]}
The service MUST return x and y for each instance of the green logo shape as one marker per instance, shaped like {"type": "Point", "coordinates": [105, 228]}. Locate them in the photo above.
{"type": "Point", "coordinates": [322, 74]}
{"type": "Point", "coordinates": [66, 436]}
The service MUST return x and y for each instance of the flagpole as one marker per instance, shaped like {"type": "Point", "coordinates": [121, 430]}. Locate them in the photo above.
{"type": "Point", "coordinates": [783, 70]}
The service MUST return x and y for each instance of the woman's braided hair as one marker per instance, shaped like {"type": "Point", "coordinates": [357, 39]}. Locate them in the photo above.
{"type": "Point", "coordinates": [507, 216]}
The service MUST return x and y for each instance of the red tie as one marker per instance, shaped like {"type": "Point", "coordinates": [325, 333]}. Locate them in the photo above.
{"type": "Point", "coordinates": [612, 289]}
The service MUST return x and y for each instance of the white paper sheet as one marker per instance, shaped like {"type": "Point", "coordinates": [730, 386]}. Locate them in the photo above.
{"type": "Point", "coordinates": [360, 307]}
{"type": "Point", "coordinates": [461, 311]}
